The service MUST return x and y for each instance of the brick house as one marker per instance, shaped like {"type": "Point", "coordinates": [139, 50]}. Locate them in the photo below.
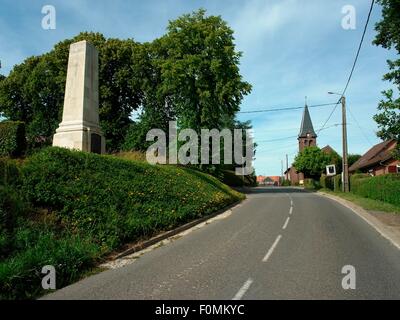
{"type": "Point", "coordinates": [378, 160]}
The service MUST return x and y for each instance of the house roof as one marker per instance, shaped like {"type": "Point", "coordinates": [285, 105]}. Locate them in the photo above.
{"type": "Point", "coordinates": [328, 149]}
{"type": "Point", "coordinates": [261, 178]}
{"type": "Point", "coordinates": [306, 125]}
{"type": "Point", "coordinates": [375, 155]}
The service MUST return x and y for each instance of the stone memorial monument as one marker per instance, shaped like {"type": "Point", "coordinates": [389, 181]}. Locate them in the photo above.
{"type": "Point", "coordinates": [80, 127]}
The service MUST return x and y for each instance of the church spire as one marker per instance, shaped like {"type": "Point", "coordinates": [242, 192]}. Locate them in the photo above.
{"type": "Point", "coordinates": [307, 129]}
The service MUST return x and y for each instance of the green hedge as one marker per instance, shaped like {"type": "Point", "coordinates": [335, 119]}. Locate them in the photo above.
{"type": "Point", "coordinates": [385, 188]}
{"type": "Point", "coordinates": [12, 138]}
{"type": "Point", "coordinates": [311, 184]}
{"type": "Point", "coordinates": [326, 182]}
{"type": "Point", "coordinates": [9, 172]}
{"type": "Point", "coordinates": [337, 183]}
{"type": "Point", "coordinates": [333, 183]}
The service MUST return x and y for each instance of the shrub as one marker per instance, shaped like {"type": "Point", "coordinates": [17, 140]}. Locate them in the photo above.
{"type": "Point", "coordinates": [323, 181]}
{"type": "Point", "coordinates": [337, 183]}
{"type": "Point", "coordinates": [12, 207]}
{"type": "Point", "coordinates": [385, 188]}
{"type": "Point", "coordinates": [83, 205]}
{"type": "Point", "coordinates": [115, 200]}
{"type": "Point", "coordinates": [286, 183]}
{"type": "Point", "coordinates": [327, 182]}
{"type": "Point", "coordinates": [9, 172]}
{"type": "Point", "coordinates": [12, 138]}
{"type": "Point", "coordinates": [20, 276]}
{"type": "Point", "coordinates": [230, 178]}
{"type": "Point", "coordinates": [311, 184]}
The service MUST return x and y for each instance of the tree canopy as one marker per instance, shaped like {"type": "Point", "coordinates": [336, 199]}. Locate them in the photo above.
{"type": "Point", "coordinates": [34, 90]}
{"type": "Point", "coordinates": [312, 161]}
{"type": "Point", "coordinates": [191, 74]}
{"type": "Point", "coordinates": [388, 37]}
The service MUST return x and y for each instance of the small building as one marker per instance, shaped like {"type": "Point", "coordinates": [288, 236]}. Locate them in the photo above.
{"type": "Point", "coordinates": [268, 180]}
{"type": "Point", "coordinates": [261, 180]}
{"type": "Point", "coordinates": [378, 160]}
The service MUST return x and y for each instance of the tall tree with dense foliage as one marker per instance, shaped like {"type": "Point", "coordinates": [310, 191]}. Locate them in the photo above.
{"type": "Point", "coordinates": [388, 37]}
{"type": "Point", "coordinates": [34, 90]}
{"type": "Point", "coordinates": [201, 70]}
{"type": "Point", "coordinates": [312, 161]}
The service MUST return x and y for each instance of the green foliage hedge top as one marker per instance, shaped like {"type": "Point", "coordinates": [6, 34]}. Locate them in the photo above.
{"type": "Point", "coordinates": [115, 200]}
{"type": "Point", "coordinates": [385, 188]}
{"type": "Point", "coordinates": [12, 138]}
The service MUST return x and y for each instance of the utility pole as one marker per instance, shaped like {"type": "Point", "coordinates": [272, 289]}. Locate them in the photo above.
{"type": "Point", "coordinates": [345, 164]}
{"type": "Point", "coordinates": [287, 167]}
{"type": "Point", "coordinates": [281, 172]}
{"type": "Point", "coordinates": [345, 149]}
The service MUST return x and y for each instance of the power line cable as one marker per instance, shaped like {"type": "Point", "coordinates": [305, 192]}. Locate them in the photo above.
{"type": "Point", "coordinates": [296, 136]}
{"type": "Point", "coordinates": [286, 108]}
{"type": "Point", "coordinates": [354, 63]}
{"type": "Point", "coordinates": [359, 127]}
{"type": "Point", "coordinates": [359, 47]}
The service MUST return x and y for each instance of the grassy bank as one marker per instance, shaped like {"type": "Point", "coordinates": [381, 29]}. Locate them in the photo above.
{"type": "Point", "coordinates": [366, 203]}
{"type": "Point", "coordinates": [69, 209]}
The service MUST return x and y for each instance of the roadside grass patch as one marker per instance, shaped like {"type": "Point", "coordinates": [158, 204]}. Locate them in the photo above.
{"type": "Point", "coordinates": [69, 209]}
{"type": "Point", "coordinates": [366, 203]}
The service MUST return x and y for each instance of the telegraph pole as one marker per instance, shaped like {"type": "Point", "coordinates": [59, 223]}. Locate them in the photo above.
{"type": "Point", "coordinates": [345, 163]}
{"type": "Point", "coordinates": [287, 167]}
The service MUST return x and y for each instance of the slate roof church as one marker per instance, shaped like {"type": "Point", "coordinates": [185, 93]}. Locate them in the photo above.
{"type": "Point", "coordinates": [307, 138]}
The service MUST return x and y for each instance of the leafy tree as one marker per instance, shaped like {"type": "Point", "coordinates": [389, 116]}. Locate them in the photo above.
{"type": "Point", "coordinates": [312, 161]}
{"type": "Point", "coordinates": [336, 159]}
{"type": "Point", "coordinates": [201, 70]}
{"type": "Point", "coordinates": [353, 158]}
{"type": "Point", "coordinates": [34, 90]}
{"type": "Point", "coordinates": [388, 37]}
{"type": "Point", "coordinates": [192, 76]}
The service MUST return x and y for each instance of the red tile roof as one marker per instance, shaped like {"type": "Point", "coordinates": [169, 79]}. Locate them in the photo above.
{"type": "Point", "coordinates": [375, 155]}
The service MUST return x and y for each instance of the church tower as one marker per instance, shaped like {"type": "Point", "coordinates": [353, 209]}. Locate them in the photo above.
{"type": "Point", "coordinates": [307, 136]}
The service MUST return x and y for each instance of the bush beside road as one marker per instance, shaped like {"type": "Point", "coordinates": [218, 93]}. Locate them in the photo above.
{"type": "Point", "coordinates": [69, 209]}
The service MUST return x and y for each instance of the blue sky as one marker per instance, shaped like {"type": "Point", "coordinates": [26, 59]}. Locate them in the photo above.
{"type": "Point", "coordinates": [291, 49]}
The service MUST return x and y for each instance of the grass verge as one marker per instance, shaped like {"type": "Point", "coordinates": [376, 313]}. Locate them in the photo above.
{"type": "Point", "coordinates": [69, 209]}
{"type": "Point", "coordinates": [366, 203]}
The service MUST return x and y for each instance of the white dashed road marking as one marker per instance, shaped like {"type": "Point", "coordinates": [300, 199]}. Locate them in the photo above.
{"type": "Point", "coordinates": [272, 249]}
{"type": "Point", "coordinates": [243, 290]}
{"type": "Point", "coordinates": [286, 223]}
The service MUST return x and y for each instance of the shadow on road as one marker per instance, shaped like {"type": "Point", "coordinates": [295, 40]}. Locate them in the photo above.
{"type": "Point", "coordinates": [256, 190]}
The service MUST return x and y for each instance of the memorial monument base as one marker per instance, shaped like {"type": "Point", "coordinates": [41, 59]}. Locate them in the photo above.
{"type": "Point", "coordinates": [80, 137]}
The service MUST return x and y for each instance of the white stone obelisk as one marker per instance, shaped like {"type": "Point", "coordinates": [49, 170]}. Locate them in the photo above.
{"type": "Point", "coordinates": [80, 127]}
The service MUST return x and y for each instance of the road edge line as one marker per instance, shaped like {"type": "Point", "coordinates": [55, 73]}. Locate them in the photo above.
{"type": "Point", "coordinates": [381, 228]}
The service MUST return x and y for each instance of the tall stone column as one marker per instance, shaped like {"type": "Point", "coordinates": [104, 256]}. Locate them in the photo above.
{"type": "Point", "coordinates": [80, 127]}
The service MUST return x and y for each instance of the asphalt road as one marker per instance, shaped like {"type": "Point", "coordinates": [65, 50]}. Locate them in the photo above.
{"type": "Point", "coordinates": [278, 244]}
